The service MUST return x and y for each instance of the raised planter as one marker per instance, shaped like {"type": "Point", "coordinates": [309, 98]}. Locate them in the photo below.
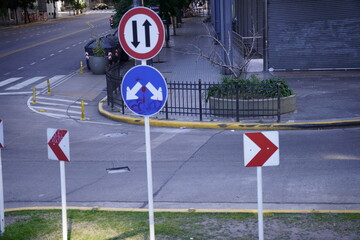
{"type": "Point", "coordinates": [98, 64]}
{"type": "Point", "coordinates": [221, 106]}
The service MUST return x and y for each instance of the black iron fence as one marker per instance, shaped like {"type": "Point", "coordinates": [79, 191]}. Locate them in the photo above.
{"type": "Point", "coordinates": [202, 99]}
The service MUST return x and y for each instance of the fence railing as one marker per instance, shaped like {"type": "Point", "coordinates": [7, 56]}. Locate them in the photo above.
{"type": "Point", "coordinates": [202, 99]}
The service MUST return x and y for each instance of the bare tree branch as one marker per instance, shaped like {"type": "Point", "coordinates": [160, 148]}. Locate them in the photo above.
{"type": "Point", "coordinates": [218, 49]}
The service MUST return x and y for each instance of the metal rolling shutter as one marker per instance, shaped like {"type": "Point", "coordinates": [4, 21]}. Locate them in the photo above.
{"type": "Point", "coordinates": [314, 34]}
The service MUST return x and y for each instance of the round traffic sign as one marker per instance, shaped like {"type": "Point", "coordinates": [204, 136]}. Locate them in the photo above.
{"type": "Point", "coordinates": [141, 33]}
{"type": "Point", "coordinates": [144, 90]}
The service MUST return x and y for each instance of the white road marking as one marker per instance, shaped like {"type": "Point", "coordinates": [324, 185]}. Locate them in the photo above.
{"type": "Point", "coordinates": [25, 83]}
{"type": "Point", "coordinates": [8, 81]}
{"type": "Point", "coordinates": [15, 93]}
{"type": "Point", "coordinates": [52, 80]}
{"type": "Point", "coordinates": [56, 109]}
{"type": "Point", "coordinates": [58, 104]}
{"type": "Point", "coordinates": [60, 100]}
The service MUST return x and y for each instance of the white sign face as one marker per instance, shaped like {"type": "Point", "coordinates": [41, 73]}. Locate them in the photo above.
{"type": "Point", "coordinates": [141, 33]}
{"type": "Point", "coordinates": [1, 134]}
{"type": "Point", "coordinates": [137, 33]}
{"type": "Point", "coordinates": [58, 144]}
{"type": "Point", "coordinates": [261, 149]}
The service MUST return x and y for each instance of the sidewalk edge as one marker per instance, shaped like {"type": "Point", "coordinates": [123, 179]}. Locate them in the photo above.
{"type": "Point", "coordinates": [233, 126]}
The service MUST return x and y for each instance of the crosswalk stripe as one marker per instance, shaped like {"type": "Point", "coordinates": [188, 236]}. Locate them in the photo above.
{"type": "Point", "coordinates": [57, 104]}
{"type": "Point", "coordinates": [60, 100]}
{"type": "Point", "coordinates": [13, 93]}
{"type": "Point", "coordinates": [52, 80]}
{"type": "Point", "coordinates": [25, 83]}
{"type": "Point", "coordinates": [10, 80]}
{"type": "Point", "coordinates": [55, 115]}
{"type": "Point", "coordinates": [56, 109]}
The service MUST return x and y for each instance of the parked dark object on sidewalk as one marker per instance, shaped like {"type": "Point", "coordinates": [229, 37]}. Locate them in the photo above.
{"type": "Point", "coordinates": [112, 48]}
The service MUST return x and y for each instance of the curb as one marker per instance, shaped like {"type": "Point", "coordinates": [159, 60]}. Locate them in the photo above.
{"type": "Point", "coordinates": [190, 210]}
{"type": "Point", "coordinates": [232, 126]}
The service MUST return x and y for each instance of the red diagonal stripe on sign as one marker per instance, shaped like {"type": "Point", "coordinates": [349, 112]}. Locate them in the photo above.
{"type": "Point", "coordinates": [54, 144]}
{"type": "Point", "coordinates": [267, 148]}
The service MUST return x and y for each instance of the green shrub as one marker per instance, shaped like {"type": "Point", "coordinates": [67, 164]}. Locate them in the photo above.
{"type": "Point", "coordinates": [98, 50]}
{"type": "Point", "coordinates": [251, 88]}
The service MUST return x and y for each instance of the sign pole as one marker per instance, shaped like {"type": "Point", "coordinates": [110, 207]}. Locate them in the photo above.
{"type": "Point", "coordinates": [260, 203]}
{"type": "Point", "coordinates": [149, 177]}
{"type": "Point", "coordinates": [2, 215]}
{"type": "Point", "coordinates": [63, 199]}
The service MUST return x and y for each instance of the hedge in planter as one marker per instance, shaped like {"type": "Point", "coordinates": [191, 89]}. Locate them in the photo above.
{"type": "Point", "coordinates": [253, 97]}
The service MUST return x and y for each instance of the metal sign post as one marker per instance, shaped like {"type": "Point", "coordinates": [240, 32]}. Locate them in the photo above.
{"type": "Point", "coordinates": [149, 177]}
{"type": "Point", "coordinates": [58, 149]}
{"type": "Point", "coordinates": [143, 88]}
{"type": "Point", "coordinates": [260, 203]}
{"type": "Point", "coordinates": [261, 149]}
{"type": "Point", "coordinates": [2, 215]}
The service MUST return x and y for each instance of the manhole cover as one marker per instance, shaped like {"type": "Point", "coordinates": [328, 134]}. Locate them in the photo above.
{"type": "Point", "coordinates": [118, 134]}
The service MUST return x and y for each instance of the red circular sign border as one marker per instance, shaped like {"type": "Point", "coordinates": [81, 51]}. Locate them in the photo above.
{"type": "Point", "coordinates": [159, 24]}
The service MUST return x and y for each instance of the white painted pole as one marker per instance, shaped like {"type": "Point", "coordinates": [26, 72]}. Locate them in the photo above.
{"type": "Point", "coordinates": [149, 177]}
{"type": "Point", "coordinates": [63, 199]}
{"type": "Point", "coordinates": [260, 203]}
{"type": "Point", "coordinates": [2, 215]}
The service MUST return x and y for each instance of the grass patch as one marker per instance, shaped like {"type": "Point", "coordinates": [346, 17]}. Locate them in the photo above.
{"type": "Point", "coordinates": [105, 225]}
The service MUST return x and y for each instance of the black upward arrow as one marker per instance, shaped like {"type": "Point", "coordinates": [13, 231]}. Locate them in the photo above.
{"type": "Point", "coordinates": [135, 41]}
{"type": "Point", "coordinates": [147, 33]}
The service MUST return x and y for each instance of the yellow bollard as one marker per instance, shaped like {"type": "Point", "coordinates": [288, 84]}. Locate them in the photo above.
{"type": "Point", "coordinates": [81, 67]}
{"type": "Point", "coordinates": [34, 96]}
{"type": "Point", "coordinates": [48, 86]}
{"type": "Point", "coordinates": [82, 110]}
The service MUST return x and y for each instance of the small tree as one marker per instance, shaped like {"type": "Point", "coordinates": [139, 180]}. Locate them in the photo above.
{"type": "Point", "coordinates": [220, 55]}
{"type": "Point", "coordinates": [25, 5]}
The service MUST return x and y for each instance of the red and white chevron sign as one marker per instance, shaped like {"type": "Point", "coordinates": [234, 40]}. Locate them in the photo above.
{"type": "Point", "coordinates": [1, 134]}
{"type": "Point", "coordinates": [58, 144]}
{"type": "Point", "coordinates": [261, 149]}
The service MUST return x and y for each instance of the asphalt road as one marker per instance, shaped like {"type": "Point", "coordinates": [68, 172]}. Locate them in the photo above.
{"type": "Point", "coordinates": [192, 168]}
{"type": "Point", "coordinates": [51, 48]}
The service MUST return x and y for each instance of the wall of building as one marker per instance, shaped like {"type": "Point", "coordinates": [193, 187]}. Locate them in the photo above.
{"type": "Point", "coordinates": [308, 34]}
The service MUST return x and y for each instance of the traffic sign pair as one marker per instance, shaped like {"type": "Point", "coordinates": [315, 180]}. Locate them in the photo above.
{"type": "Point", "coordinates": [141, 35]}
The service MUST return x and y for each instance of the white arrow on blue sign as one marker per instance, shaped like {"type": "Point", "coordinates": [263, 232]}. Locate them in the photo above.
{"type": "Point", "coordinates": [144, 90]}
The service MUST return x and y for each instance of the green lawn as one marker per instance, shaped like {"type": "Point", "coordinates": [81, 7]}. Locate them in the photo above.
{"type": "Point", "coordinates": [106, 225]}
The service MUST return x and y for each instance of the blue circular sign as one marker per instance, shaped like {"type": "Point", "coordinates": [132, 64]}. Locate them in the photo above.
{"type": "Point", "coordinates": [144, 90]}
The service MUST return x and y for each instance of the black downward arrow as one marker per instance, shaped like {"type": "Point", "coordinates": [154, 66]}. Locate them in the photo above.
{"type": "Point", "coordinates": [147, 33]}
{"type": "Point", "coordinates": [135, 41]}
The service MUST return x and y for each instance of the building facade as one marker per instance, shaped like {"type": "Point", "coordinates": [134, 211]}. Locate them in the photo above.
{"type": "Point", "coordinates": [292, 35]}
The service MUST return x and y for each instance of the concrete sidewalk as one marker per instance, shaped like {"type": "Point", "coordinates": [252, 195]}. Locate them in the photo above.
{"type": "Point", "coordinates": [325, 99]}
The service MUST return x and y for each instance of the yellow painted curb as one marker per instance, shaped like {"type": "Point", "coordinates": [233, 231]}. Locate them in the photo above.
{"type": "Point", "coordinates": [231, 126]}
{"type": "Point", "coordinates": [190, 210]}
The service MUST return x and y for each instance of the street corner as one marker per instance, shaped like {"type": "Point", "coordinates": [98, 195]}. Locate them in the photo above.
{"type": "Point", "coordinates": [229, 125]}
